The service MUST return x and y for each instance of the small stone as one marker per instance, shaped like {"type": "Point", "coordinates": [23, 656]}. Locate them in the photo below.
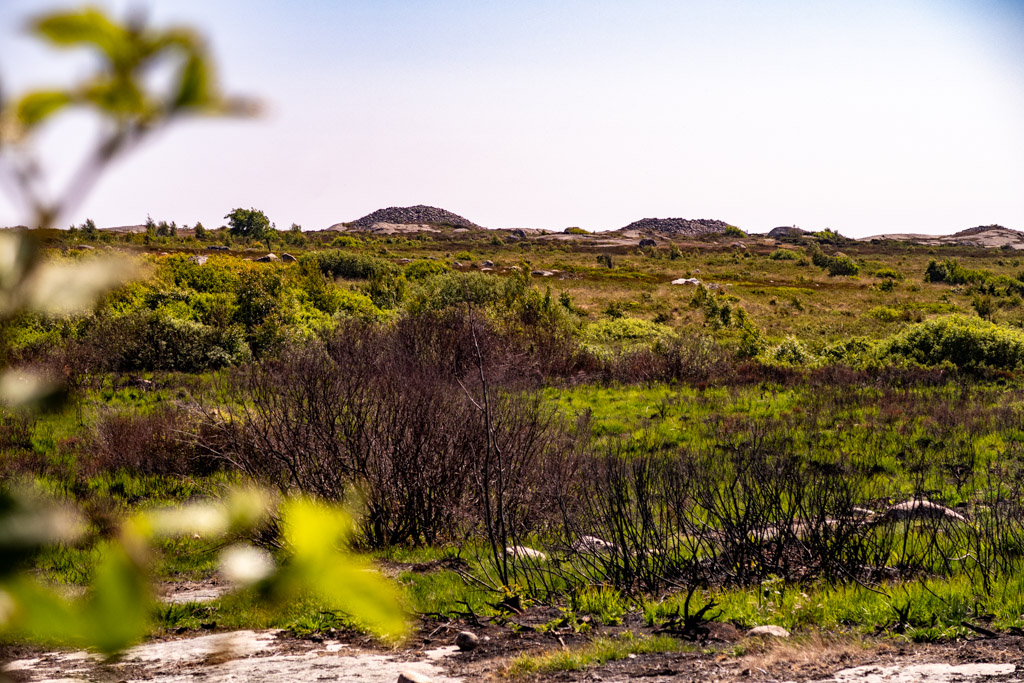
{"type": "Point", "coordinates": [769, 630]}
{"type": "Point", "coordinates": [466, 641]}
{"type": "Point", "coordinates": [488, 264]}
{"type": "Point", "coordinates": [288, 258]}
{"type": "Point", "coordinates": [524, 552]}
{"type": "Point", "coordinates": [412, 677]}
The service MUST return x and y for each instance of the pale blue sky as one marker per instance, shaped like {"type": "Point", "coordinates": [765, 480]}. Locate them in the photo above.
{"type": "Point", "coordinates": [867, 117]}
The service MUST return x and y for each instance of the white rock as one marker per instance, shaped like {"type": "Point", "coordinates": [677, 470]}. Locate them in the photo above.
{"type": "Point", "coordinates": [412, 677]}
{"type": "Point", "coordinates": [769, 630]}
{"type": "Point", "coordinates": [686, 281]}
{"type": "Point", "coordinates": [594, 544]}
{"type": "Point", "coordinates": [521, 551]}
{"type": "Point", "coordinates": [922, 509]}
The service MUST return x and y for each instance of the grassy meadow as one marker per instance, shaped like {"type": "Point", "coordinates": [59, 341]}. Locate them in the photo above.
{"type": "Point", "coordinates": [744, 443]}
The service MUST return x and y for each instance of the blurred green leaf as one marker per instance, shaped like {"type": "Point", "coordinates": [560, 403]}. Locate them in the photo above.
{"type": "Point", "coordinates": [194, 88]}
{"type": "Point", "coordinates": [117, 610]}
{"type": "Point", "coordinates": [317, 534]}
{"type": "Point", "coordinates": [89, 26]}
{"type": "Point", "coordinates": [35, 107]}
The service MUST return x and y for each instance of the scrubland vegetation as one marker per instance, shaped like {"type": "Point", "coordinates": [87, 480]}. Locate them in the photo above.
{"type": "Point", "coordinates": [595, 439]}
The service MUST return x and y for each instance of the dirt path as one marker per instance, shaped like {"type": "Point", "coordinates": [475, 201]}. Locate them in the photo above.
{"type": "Point", "coordinates": [235, 656]}
{"type": "Point", "coordinates": [269, 656]}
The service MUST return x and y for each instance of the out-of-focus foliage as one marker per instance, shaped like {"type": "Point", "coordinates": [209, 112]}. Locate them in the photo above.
{"type": "Point", "coordinates": [116, 609]}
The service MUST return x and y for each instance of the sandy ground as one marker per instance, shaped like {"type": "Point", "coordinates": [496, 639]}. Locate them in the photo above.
{"type": "Point", "coordinates": [272, 656]}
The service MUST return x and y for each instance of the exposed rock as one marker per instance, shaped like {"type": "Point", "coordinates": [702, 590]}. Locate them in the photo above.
{"type": "Point", "coordinates": [269, 258]}
{"type": "Point", "coordinates": [769, 630]}
{"type": "Point", "coordinates": [593, 544]}
{"type": "Point", "coordinates": [412, 677]}
{"type": "Point", "coordinates": [679, 226]}
{"type": "Point", "coordinates": [466, 640]}
{"type": "Point", "coordinates": [648, 242]}
{"type": "Point", "coordinates": [686, 281]}
{"type": "Point", "coordinates": [786, 231]}
{"type": "Point", "coordinates": [405, 215]}
{"type": "Point", "coordinates": [518, 233]}
{"type": "Point", "coordinates": [403, 261]}
{"type": "Point", "coordinates": [217, 247]}
{"type": "Point", "coordinates": [198, 260]}
{"type": "Point", "coordinates": [488, 264]}
{"type": "Point", "coordinates": [83, 247]}
{"type": "Point", "coordinates": [989, 236]}
{"type": "Point", "coordinates": [921, 509]}
{"type": "Point", "coordinates": [940, 672]}
{"type": "Point", "coordinates": [541, 273]}
{"type": "Point", "coordinates": [288, 258]}
{"type": "Point", "coordinates": [522, 551]}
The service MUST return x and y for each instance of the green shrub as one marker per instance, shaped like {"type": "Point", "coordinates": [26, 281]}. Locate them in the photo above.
{"type": "Point", "coordinates": [155, 340]}
{"type": "Point", "coordinates": [951, 272]}
{"type": "Point", "coordinates": [788, 352]}
{"type": "Point", "coordinates": [626, 333]}
{"type": "Point", "coordinates": [959, 340]}
{"type": "Point", "coordinates": [343, 241]}
{"type": "Point", "coordinates": [886, 314]}
{"type": "Point", "coordinates": [841, 264]}
{"type": "Point", "coordinates": [733, 231]}
{"type": "Point", "coordinates": [889, 274]}
{"type": "Point", "coordinates": [439, 292]}
{"type": "Point", "coordinates": [347, 265]}
{"type": "Point", "coordinates": [216, 275]}
{"type": "Point", "coordinates": [424, 268]}
{"type": "Point", "coordinates": [784, 255]}
{"type": "Point", "coordinates": [576, 231]}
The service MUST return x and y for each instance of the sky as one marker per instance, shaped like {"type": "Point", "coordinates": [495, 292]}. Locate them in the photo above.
{"type": "Point", "coordinates": [867, 117]}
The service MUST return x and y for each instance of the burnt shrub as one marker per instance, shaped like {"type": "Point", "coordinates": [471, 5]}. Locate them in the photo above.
{"type": "Point", "coordinates": [162, 442]}
{"type": "Point", "coordinates": [394, 418]}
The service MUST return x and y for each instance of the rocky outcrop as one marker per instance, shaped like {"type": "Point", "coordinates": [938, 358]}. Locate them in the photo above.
{"type": "Point", "coordinates": [412, 215]}
{"type": "Point", "coordinates": [786, 231]}
{"type": "Point", "coordinates": [679, 226]}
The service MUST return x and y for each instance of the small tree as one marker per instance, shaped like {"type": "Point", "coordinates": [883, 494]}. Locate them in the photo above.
{"type": "Point", "coordinates": [89, 230]}
{"type": "Point", "coordinates": [200, 231]}
{"type": "Point", "coordinates": [251, 224]}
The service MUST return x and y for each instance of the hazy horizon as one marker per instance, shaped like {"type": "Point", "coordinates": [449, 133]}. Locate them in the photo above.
{"type": "Point", "coordinates": [868, 118]}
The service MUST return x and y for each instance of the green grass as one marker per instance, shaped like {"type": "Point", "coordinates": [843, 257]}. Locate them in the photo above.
{"type": "Point", "coordinates": [595, 653]}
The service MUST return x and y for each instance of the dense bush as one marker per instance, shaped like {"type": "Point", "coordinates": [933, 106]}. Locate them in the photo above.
{"type": "Point", "coordinates": [951, 272]}
{"type": "Point", "coordinates": [958, 340]}
{"type": "Point", "coordinates": [784, 255]}
{"type": "Point", "coordinates": [155, 340]}
{"type": "Point", "coordinates": [347, 265]}
{"type": "Point", "coordinates": [423, 268]}
{"type": "Point", "coordinates": [626, 333]}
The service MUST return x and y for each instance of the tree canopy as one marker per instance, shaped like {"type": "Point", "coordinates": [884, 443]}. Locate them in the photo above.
{"type": "Point", "coordinates": [251, 223]}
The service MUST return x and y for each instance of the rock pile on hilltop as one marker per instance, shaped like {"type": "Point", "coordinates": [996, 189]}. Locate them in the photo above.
{"type": "Point", "coordinates": [412, 215]}
{"type": "Point", "coordinates": [679, 226]}
{"type": "Point", "coordinates": [786, 231]}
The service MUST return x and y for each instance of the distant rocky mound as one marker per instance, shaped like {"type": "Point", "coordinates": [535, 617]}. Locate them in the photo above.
{"type": "Point", "coordinates": [679, 226]}
{"type": "Point", "coordinates": [785, 231]}
{"type": "Point", "coordinates": [412, 215]}
{"type": "Point", "coordinates": [991, 236]}
{"type": "Point", "coordinates": [979, 229]}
